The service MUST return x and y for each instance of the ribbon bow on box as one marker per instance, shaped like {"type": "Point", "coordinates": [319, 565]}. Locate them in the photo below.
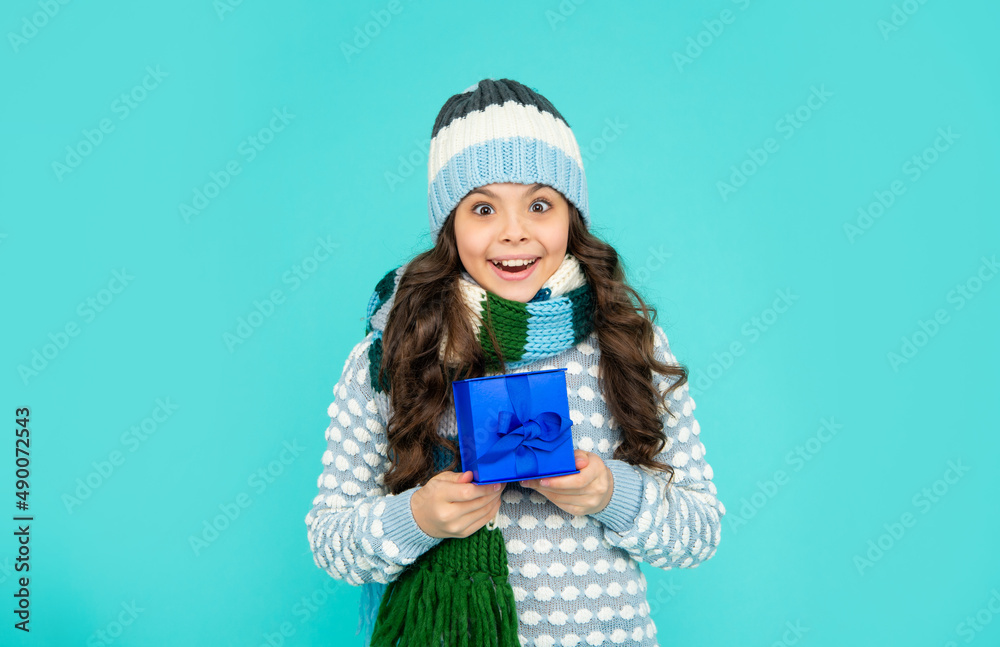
{"type": "Point", "coordinates": [523, 436]}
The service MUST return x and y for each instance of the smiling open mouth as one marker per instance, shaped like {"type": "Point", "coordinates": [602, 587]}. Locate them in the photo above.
{"type": "Point", "coordinates": [514, 267]}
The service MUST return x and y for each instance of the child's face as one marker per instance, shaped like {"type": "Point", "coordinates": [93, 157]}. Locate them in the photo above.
{"type": "Point", "coordinates": [501, 221]}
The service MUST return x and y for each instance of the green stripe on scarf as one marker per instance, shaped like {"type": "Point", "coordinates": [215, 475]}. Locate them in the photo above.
{"type": "Point", "coordinates": [583, 311]}
{"type": "Point", "coordinates": [509, 320]}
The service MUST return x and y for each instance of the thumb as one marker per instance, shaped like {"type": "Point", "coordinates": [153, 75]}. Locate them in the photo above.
{"type": "Point", "coordinates": [452, 476]}
{"type": "Point", "coordinates": [582, 459]}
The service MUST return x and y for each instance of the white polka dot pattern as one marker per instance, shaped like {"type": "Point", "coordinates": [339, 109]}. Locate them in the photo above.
{"type": "Point", "coordinates": [576, 579]}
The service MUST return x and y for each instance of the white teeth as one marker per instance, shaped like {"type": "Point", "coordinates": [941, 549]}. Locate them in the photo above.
{"type": "Point", "coordinates": [514, 263]}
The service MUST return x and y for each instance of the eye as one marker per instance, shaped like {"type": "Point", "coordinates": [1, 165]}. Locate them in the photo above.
{"type": "Point", "coordinates": [540, 201]}
{"type": "Point", "coordinates": [481, 204]}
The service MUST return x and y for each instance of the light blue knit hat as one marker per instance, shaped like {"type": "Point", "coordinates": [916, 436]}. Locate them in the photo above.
{"type": "Point", "coordinates": [500, 131]}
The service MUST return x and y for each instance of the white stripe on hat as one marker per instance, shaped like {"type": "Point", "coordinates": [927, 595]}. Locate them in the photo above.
{"type": "Point", "coordinates": [512, 119]}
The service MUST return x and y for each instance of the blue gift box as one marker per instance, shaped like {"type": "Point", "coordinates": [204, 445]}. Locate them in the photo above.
{"type": "Point", "coordinates": [514, 427]}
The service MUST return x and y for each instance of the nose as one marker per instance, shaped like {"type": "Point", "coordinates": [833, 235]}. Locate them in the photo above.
{"type": "Point", "coordinates": [513, 229]}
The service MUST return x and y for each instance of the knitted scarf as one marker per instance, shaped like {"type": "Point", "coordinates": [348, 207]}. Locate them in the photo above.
{"type": "Point", "coordinates": [457, 591]}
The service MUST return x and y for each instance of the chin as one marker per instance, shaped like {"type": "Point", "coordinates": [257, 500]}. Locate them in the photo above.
{"type": "Point", "coordinates": [521, 296]}
{"type": "Point", "coordinates": [521, 293]}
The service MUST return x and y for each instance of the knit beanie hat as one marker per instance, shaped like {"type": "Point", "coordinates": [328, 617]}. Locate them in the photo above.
{"type": "Point", "coordinates": [500, 131]}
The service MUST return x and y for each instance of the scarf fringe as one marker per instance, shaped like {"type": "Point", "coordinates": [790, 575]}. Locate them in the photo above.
{"type": "Point", "coordinates": [456, 594]}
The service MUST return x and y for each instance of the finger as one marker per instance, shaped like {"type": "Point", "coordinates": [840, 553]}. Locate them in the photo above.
{"type": "Point", "coordinates": [469, 506]}
{"type": "Point", "coordinates": [588, 473]}
{"type": "Point", "coordinates": [488, 514]}
{"type": "Point", "coordinates": [476, 518]}
{"type": "Point", "coordinates": [463, 489]}
{"type": "Point", "coordinates": [560, 495]}
{"type": "Point", "coordinates": [452, 477]}
{"type": "Point", "coordinates": [567, 482]}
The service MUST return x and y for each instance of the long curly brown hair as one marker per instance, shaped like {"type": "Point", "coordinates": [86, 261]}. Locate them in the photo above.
{"type": "Point", "coordinates": [428, 303]}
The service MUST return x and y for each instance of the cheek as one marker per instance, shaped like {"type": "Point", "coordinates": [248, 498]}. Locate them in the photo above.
{"type": "Point", "coordinates": [466, 244]}
{"type": "Point", "coordinates": [471, 253]}
{"type": "Point", "coordinates": [556, 238]}
{"type": "Point", "coordinates": [479, 247]}
{"type": "Point", "coordinates": [557, 248]}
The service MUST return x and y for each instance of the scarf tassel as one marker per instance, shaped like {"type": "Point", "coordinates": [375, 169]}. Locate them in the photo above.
{"type": "Point", "coordinates": [455, 594]}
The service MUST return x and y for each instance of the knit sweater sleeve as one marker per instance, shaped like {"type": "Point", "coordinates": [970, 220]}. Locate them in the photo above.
{"type": "Point", "coordinates": [667, 527]}
{"type": "Point", "coordinates": [357, 531]}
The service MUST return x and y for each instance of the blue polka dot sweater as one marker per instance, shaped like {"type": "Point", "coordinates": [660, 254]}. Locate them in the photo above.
{"type": "Point", "coordinates": [576, 579]}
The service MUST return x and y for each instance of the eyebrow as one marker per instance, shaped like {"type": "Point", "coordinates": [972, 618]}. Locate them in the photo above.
{"type": "Point", "coordinates": [531, 189]}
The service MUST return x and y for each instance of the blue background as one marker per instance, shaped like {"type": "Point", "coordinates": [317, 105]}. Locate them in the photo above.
{"type": "Point", "coordinates": [716, 264]}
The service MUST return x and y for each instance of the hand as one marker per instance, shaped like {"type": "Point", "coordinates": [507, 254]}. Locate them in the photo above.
{"type": "Point", "coordinates": [578, 494]}
{"type": "Point", "coordinates": [450, 505]}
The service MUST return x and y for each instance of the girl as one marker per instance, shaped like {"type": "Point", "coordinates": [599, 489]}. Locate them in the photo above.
{"type": "Point", "coordinates": [515, 282]}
